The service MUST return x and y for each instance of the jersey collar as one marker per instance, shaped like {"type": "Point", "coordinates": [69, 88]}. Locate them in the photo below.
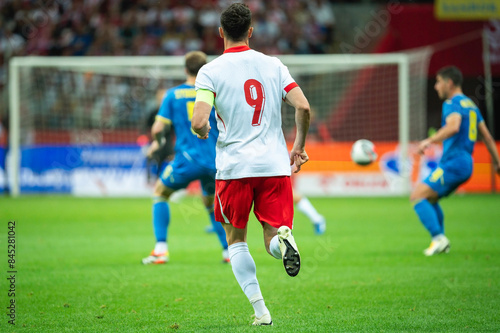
{"type": "Point", "coordinates": [237, 49]}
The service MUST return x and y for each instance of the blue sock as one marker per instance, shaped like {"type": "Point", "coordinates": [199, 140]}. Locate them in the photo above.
{"type": "Point", "coordinates": [218, 228]}
{"type": "Point", "coordinates": [440, 215]}
{"type": "Point", "coordinates": [161, 218]}
{"type": "Point", "coordinates": [428, 217]}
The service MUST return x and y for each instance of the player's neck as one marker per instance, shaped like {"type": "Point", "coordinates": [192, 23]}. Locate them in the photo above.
{"type": "Point", "coordinates": [229, 43]}
{"type": "Point", "coordinates": [191, 80]}
{"type": "Point", "coordinates": [455, 92]}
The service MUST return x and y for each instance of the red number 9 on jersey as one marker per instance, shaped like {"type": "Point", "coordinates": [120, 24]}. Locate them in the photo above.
{"type": "Point", "coordinates": [256, 98]}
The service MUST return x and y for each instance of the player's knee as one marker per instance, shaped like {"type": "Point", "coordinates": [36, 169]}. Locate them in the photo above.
{"type": "Point", "coordinates": [208, 201]}
{"type": "Point", "coordinates": [234, 235]}
{"type": "Point", "coordinates": [158, 191]}
{"type": "Point", "coordinates": [161, 190]}
{"type": "Point", "coordinates": [423, 194]}
{"type": "Point", "coordinates": [433, 200]}
{"type": "Point", "coordinates": [417, 196]}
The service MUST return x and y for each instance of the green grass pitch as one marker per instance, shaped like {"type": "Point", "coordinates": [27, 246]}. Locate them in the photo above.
{"type": "Point", "coordinates": [78, 269]}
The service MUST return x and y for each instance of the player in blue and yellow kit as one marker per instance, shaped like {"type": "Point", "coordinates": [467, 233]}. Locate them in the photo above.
{"type": "Point", "coordinates": [194, 158]}
{"type": "Point", "coordinates": [461, 122]}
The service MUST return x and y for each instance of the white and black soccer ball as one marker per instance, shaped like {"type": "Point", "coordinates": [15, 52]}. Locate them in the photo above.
{"type": "Point", "coordinates": [363, 152]}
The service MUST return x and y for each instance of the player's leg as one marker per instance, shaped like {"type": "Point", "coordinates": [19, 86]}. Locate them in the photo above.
{"type": "Point", "coordinates": [439, 214]}
{"type": "Point", "coordinates": [161, 221]}
{"type": "Point", "coordinates": [245, 271]}
{"type": "Point", "coordinates": [232, 207]}
{"type": "Point", "coordinates": [422, 198]}
{"type": "Point", "coordinates": [425, 198]}
{"type": "Point", "coordinates": [280, 243]}
{"type": "Point", "coordinates": [209, 229]}
{"type": "Point", "coordinates": [443, 181]}
{"type": "Point", "coordinates": [207, 181]}
{"type": "Point", "coordinates": [208, 202]}
{"type": "Point", "coordinates": [304, 205]}
{"type": "Point", "coordinates": [273, 207]}
{"type": "Point", "coordinates": [174, 177]}
{"type": "Point", "coordinates": [271, 240]}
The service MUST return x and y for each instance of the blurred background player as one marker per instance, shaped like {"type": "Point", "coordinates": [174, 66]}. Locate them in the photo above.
{"type": "Point", "coordinates": [158, 153]}
{"type": "Point", "coordinates": [461, 121]}
{"type": "Point", "coordinates": [194, 159]}
{"type": "Point", "coordinates": [300, 201]}
{"type": "Point", "coordinates": [305, 206]}
{"type": "Point", "coordinates": [253, 164]}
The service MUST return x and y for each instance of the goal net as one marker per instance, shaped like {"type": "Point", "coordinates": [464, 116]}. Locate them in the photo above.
{"type": "Point", "coordinates": [381, 98]}
{"type": "Point", "coordinates": [78, 125]}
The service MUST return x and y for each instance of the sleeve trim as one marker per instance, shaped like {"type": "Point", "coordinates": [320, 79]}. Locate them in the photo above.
{"type": "Point", "coordinates": [291, 86]}
{"type": "Point", "coordinates": [163, 120]}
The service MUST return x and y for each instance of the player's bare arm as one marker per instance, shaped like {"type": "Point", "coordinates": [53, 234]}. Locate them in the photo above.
{"type": "Point", "coordinates": [199, 122]}
{"type": "Point", "coordinates": [157, 130]}
{"type": "Point", "coordinates": [451, 127]}
{"type": "Point", "coordinates": [156, 133]}
{"type": "Point", "coordinates": [201, 113]}
{"type": "Point", "coordinates": [296, 98]}
{"type": "Point", "coordinates": [490, 144]}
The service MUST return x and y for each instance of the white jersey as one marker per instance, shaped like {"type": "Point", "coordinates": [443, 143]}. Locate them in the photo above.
{"type": "Point", "coordinates": [249, 89]}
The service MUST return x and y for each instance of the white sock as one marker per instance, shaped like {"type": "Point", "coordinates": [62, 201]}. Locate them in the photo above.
{"type": "Point", "coordinates": [160, 247]}
{"type": "Point", "coordinates": [305, 206]}
{"type": "Point", "coordinates": [437, 237]}
{"type": "Point", "coordinates": [259, 306]}
{"type": "Point", "coordinates": [274, 247]}
{"type": "Point", "coordinates": [246, 274]}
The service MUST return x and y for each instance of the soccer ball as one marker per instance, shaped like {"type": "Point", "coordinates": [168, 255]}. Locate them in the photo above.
{"type": "Point", "coordinates": [363, 152]}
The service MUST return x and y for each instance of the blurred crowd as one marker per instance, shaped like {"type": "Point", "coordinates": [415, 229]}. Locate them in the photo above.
{"type": "Point", "coordinates": [134, 27]}
{"type": "Point", "coordinates": [69, 100]}
{"type": "Point", "coordinates": [154, 27]}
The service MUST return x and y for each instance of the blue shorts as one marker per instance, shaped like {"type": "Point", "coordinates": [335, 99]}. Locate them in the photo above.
{"type": "Point", "coordinates": [449, 175]}
{"type": "Point", "coordinates": [181, 172]}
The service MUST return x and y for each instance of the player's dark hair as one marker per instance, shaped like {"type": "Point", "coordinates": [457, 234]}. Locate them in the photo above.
{"type": "Point", "coordinates": [194, 61]}
{"type": "Point", "coordinates": [235, 21]}
{"type": "Point", "coordinates": [452, 73]}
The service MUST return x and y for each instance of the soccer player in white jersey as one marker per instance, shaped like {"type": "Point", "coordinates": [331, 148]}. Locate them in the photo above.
{"type": "Point", "coordinates": [252, 161]}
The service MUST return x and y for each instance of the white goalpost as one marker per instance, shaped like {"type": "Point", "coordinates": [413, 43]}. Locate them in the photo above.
{"type": "Point", "coordinates": [74, 121]}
